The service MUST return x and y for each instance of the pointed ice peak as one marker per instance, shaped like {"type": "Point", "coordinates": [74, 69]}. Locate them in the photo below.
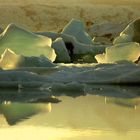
{"type": "Point", "coordinates": [12, 27]}
{"type": "Point", "coordinates": [76, 28]}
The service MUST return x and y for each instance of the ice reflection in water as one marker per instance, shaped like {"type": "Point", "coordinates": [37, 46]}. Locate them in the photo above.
{"type": "Point", "coordinates": [105, 112]}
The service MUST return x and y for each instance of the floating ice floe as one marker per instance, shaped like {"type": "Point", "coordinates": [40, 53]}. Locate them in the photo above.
{"type": "Point", "coordinates": [130, 34]}
{"type": "Point", "coordinates": [10, 60]}
{"type": "Point", "coordinates": [25, 43]}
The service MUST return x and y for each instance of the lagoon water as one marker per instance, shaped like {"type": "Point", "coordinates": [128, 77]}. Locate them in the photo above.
{"type": "Point", "coordinates": [112, 114]}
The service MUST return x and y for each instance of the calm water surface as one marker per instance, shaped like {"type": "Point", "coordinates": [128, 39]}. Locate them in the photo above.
{"type": "Point", "coordinates": [112, 114]}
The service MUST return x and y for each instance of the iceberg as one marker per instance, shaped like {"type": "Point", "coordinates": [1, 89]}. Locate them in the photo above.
{"type": "Point", "coordinates": [10, 60]}
{"type": "Point", "coordinates": [26, 43]}
{"type": "Point", "coordinates": [76, 29]}
{"type": "Point", "coordinates": [125, 47]}
{"type": "Point", "coordinates": [119, 52]}
{"type": "Point", "coordinates": [61, 51]}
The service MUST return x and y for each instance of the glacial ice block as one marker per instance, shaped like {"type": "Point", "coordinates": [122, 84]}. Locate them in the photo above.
{"type": "Point", "coordinates": [119, 52]}
{"type": "Point", "coordinates": [26, 43]}
{"type": "Point", "coordinates": [76, 28]}
{"type": "Point", "coordinates": [10, 60]}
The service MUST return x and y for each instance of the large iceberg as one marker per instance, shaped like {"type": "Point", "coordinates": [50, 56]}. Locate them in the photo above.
{"type": "Point", "coordinates": [26, 43]}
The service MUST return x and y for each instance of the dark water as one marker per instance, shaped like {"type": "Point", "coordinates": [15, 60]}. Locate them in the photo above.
{"type": "Point", "coordinates": [105, 113]}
